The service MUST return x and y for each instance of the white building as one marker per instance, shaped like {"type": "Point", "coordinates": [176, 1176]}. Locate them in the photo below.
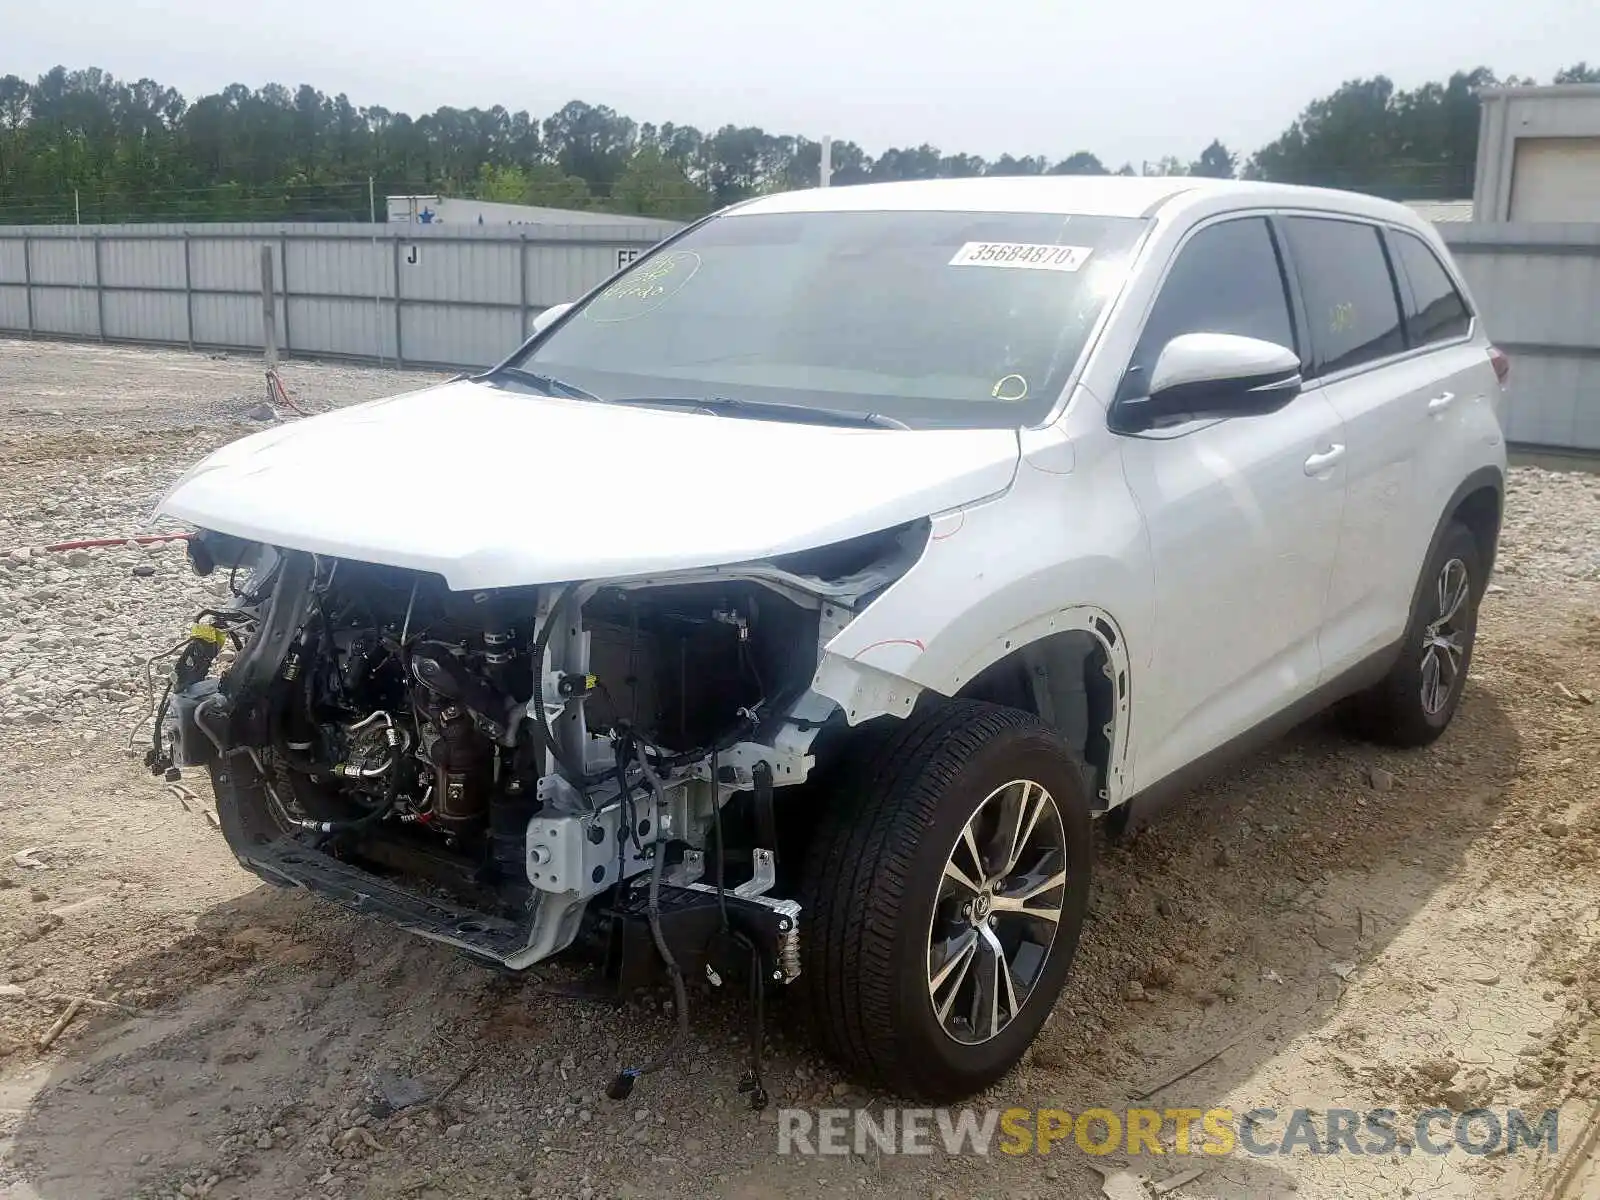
{"type": "Point", "coordinates": [1539, 154]}
{"type": "Point", "coordinates": [455, 211]}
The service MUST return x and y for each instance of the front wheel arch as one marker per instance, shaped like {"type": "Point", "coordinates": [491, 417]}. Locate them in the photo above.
{"type": "Point", "coordinates": [866, 694]}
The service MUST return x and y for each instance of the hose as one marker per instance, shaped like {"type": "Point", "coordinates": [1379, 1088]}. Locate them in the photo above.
{"type": "Point", "coordinates": [752, 1082]}
{"type": "Point", "coordinates": [275, 388]}
{"type": "Point", "coordinates": [624, 751]}
{"type": "Point", "coordinates": [653, 910]}
{"type": "Point", "coordinates": [391, 793]}
{"type": "Point", "coordinates": [622, 1085]}
{"type": "Point", "coordinates": [160, 716]}
{"type": "Point", "coordinates": [339, 770]}
{"type": "Point", "coordinates": [391, 768]}
{"type": "Point", "coordinates": [361, 822]}
{"type": "Point", "coordinates": [150, 688]}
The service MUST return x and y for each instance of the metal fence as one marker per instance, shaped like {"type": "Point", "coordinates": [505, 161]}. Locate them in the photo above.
{"type": "Point", "coordinates": [1539, 288]}
{"type": "Point", "coordinates": [417, 296]}
{"type": "Point", "coordinates": [464, 296]}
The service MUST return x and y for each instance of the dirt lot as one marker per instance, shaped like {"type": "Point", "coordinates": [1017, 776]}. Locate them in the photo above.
{"type": "Point", "coordinates": [1328, 926]}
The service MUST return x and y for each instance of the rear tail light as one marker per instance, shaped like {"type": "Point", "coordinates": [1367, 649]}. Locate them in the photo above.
{"type": "Point", "coordinates": [1501, 364]}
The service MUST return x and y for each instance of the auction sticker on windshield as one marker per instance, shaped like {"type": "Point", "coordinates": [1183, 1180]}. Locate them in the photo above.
{"type": "Point", "coordinates": [1027, 256]}
{"type": "Point", "coordinates": [646, 288]}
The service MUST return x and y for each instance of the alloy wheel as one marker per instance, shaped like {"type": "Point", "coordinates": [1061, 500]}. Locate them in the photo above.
{"type": "Point", "coordinates": [1444, 639]}
{"type": "Point", "coordinates": [1000, 900]}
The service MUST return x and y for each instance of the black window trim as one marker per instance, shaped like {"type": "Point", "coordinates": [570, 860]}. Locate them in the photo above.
{"type": "Point", "coordinates": [1311, 363]}
{"type": "Point", "coordinates": [1399, 231]}
{"type": "Point", "coordinates": [1298, 328]}
{"type": "Point", "coordinates": [1377, 364]}
{"type": "Point", "coordinates": [1408, 291]}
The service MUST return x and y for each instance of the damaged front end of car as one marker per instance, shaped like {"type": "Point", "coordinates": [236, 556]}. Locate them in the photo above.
{"type": "Point", "coordinates": [517, 771]}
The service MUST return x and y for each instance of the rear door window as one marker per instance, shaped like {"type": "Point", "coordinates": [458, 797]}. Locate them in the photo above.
{"type": "Point", "coordinates": [1227, 279]}
{"type": "Point", "coordinates": [1351, 302]}
{"type": "Point", "coordinates": [1435, 310]}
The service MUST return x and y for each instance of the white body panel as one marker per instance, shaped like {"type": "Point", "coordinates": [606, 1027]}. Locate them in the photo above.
{"type": "Point", "coordinates": [1243, 541]}
{"type": "Point", "coordinates": [485, 486]}
{"type": "Point", "coordinates": [1229, 568]}
{"type": "Point", "coordinates": [1416, 429]}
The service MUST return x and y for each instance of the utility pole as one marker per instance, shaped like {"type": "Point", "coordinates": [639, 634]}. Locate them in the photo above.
{"type": "Point", "coordinates": [269, 309]}
{"type": "Point", "coordinates": [826, 166]}
{"type": "Point", "coordinates": [372, 201]}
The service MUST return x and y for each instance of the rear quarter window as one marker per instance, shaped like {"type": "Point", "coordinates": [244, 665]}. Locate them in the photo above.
{"type": "Point", "coordinates": [1435, 309]}
{"type": "Point", "coordinates": [1351, 304]}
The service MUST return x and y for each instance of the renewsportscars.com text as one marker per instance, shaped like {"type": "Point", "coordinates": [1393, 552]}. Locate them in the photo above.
{"type": "Point", "coordinates": [1133, 1131]}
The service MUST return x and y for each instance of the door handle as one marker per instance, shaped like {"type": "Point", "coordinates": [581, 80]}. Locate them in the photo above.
{"type": "Point", "coordinates": [1318, 463]}
{"type": "Point", "coordinates": [1441, 402]}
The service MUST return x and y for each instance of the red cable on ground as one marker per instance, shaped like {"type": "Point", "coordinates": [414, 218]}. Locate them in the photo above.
{"type": "Point", "coordinates": [144, 540]}
{"type": "Point", "coordinates": [275, 388]}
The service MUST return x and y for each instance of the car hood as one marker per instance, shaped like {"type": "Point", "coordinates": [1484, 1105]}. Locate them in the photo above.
{"type": "Point", "coordinates": [490, 487]}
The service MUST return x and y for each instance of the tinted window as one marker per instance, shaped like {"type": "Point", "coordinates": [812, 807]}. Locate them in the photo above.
{"type": "Point", "coordinates": [1435, 311]}
{"type": "Point", "coordinates": [1226, 279]}
{"type": "Point", "coordinates": [1349, 293]}
{"type": "Point", "coordinates": [939, 318]}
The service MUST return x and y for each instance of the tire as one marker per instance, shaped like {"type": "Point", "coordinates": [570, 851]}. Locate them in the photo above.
{"type": "Point", "coordinates": [876, 895]}
{"type": "Point", "coordinates": [1397, 711]}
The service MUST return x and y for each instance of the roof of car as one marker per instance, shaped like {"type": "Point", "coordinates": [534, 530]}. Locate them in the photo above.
{"type": "Point", "coordinates": [1076, 195]}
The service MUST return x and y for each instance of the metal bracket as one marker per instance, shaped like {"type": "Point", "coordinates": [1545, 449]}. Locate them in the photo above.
{"type": "Point", "coordinates": [765, 876]}
{"type": "Point", "coordinates": [788, 765]}
{"type": "Point", "coordinates": [559, 796]}
{"type": "Point", "coordinates": [691, 869]}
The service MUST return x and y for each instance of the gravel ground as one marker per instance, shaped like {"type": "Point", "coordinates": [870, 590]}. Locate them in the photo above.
{"type": "Point", "coordinates": [1332, 924]}
{"type": "Point", "coordinates": [89, 445]}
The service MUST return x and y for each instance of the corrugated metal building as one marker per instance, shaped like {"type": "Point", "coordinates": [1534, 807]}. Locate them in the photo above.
{"type": "Point", "coordinates": [1531, 253]}
{"type": "Point", "coordinates": [1539, 289]}
{"type": "Point", "coordinates": [1539, 154]}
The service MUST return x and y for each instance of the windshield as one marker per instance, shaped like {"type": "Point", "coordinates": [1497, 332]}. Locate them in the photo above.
{"type": "Point", "coordinates": [931, 318]}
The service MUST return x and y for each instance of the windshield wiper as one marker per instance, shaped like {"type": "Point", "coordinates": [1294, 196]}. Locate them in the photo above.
{"type": "Point", "coordinates": [548, 384]}
{"type": "Point", "coordinates": [733, 406]}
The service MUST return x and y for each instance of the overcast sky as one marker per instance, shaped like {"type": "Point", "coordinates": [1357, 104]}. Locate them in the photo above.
{"type": "Point", "coordinates": [1126, 79]}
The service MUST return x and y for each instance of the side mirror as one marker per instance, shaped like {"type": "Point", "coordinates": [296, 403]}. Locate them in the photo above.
{"type": "Point", "coordinates": [547, 318]}
{"type": "Point", "coordinates": [1204, 375]}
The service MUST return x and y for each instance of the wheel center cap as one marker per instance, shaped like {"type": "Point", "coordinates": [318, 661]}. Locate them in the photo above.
{"type": "Point", "coordinates": [980, 908]}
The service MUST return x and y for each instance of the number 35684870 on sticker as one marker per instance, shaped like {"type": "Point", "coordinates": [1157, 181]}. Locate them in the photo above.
{"type": "Point", "coordinates": [1027, 256]}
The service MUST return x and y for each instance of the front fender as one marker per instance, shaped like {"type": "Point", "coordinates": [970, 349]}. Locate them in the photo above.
{"type": "Point", "coordinates": [865, 691]}
{"type": "Point", "coordinates": [1003, 572]}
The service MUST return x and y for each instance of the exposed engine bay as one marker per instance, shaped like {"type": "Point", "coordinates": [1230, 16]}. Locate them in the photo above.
{"type": "Point", "coordinates": [513, 771]}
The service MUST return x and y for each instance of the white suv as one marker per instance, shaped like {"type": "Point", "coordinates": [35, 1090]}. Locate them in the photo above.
{"type": "Point", "coordinates": [785, 609]}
